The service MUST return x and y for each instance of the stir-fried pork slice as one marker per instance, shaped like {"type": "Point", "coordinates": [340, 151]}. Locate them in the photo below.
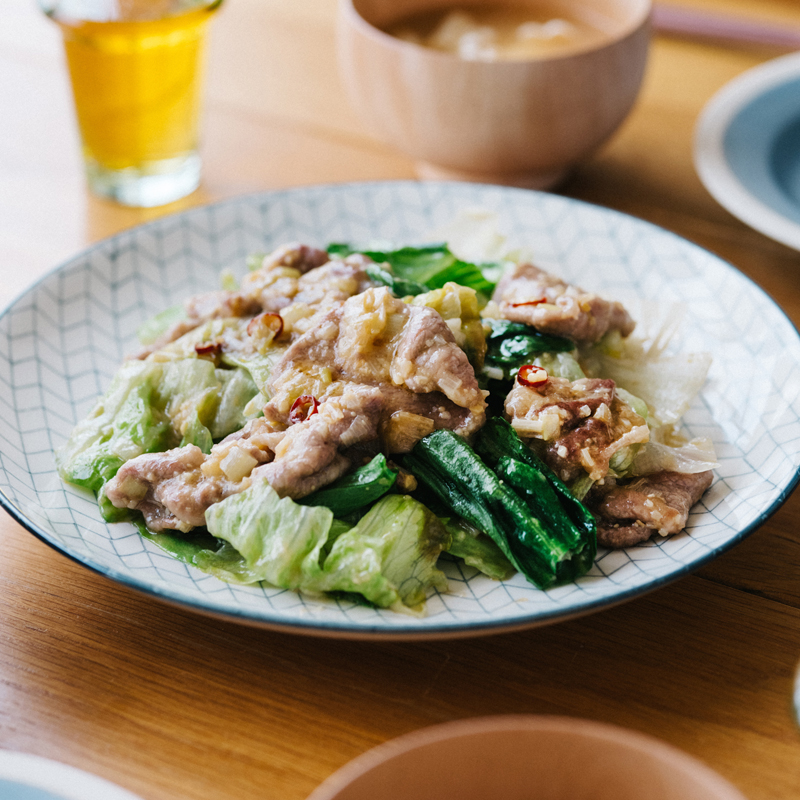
{"type": "Point", "coordinates": [376, 340]}
{"type": "Point", "coordinates": [174, 489]}
{"type": "Point", "coordinates": [581, 424]}
{"type": "Point", "coordinates": [202, 308]}
{"type": "Point", "coordinates": [269, 288]}
{"type": "Point", "coordinates": [531, 295]}
{"type": "Point", "coordinates": [314, 452]}
{"type": "Point", "coordinates": [275, 283]}
{"type": "Point", "coordinates": [334, 282]}
{"type": "Point", "coordinates": [301, 257]}
{"type": "Point", "coordinates": [325, 288]}
{"type": "Point", "coordinates": [658, 503]}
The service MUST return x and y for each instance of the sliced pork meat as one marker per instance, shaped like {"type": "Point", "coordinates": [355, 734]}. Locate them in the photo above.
{"type": "Point", "coordinates": [580, 424]}
{"type": "Point", "coordinates": [530, 295]}
{"type": "Point", "coordinates": [301, 257]}
{"type": "Point", "coordinates": [616, 535]}
{"type": "Point", "coordinates": [168, 488]}
{"type": "Point", "coordinates": [374, 340]}
{"type": "Point", "coordinates": [314, 452]}
{"type": "Point", "coordinates": [202, 308]}
{"type": "Point", "coordinates": [325, 288]}
{"type": "Point", "coordinates": [173, 489]}
{"type": "Point", "coordinates": [275, 283]}
{"type": "Point", "coordinates": [288, 271]}
{"type": "Point", "coordinates": [334, 282]}
{"type": "Point", "coordinates": [658, 503]}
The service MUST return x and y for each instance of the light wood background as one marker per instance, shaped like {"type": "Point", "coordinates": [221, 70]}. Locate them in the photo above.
{"type": "Point", "coordinates": [175, 706]}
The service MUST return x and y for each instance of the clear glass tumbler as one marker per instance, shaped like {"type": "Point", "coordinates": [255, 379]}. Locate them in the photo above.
{"type": "Point", "coordinates": [136, 72]}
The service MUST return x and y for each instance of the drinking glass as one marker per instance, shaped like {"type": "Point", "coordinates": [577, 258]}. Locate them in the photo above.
{"type": "Point", "coordinates": [136, 72]}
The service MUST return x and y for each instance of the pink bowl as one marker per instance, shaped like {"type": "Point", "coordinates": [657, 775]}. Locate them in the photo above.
{"type": "Point", "coordinates": [525, 758]}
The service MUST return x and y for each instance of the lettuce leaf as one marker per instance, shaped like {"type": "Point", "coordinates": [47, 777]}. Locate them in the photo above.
{"type": "Point", "coordinates": [691, 457]}
{"type": "Point", "coordinates": [459, 308]}
{"type": "Point", "coordinates": [237, 388]}
{"type": "Point", "coordinates": [433, 265]}
{"type": "Point", "coordinates": [389, 557]}
{"type": "Point", "coordinates": [124, 423]}
{"type": "Point", "coordinates": [270, 539]}
{"type": "Point", "coordinates": [151, 407]}
{"type": "Point", "coordinates": [476, 549]}
{"type": "Point", "coordinates": [154, 327]}
{"type": "Point", "coordinates": [640, 364]}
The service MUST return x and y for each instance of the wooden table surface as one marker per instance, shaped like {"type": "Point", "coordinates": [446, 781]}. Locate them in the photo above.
{"type": "Point", "coordinates": [172, 705]}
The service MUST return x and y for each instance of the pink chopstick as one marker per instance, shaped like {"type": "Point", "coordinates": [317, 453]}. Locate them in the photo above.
{"type": "Point", "coordinates": [689, 22]}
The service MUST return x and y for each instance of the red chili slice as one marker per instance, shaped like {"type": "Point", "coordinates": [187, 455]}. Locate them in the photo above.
{"type": "Point", "coordinates": [208, 349]}
{"type": "Point", "coordinates": [530, 302]}
{"type": "Point", "coordinates": [531, 375]}
{"type": "Point", "coordinates": [305, 406]}
{"type": "Point", "coordinates": [272, 322]}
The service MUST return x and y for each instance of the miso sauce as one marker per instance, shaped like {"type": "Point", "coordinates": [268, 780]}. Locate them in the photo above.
{"type": "Point", "coordinates": [493, 33]}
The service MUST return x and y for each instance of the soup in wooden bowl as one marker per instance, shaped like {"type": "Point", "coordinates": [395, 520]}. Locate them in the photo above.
{"type": "Point", "coordinates": [494, 91]}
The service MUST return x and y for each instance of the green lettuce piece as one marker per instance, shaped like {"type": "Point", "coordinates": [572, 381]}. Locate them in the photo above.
{"type": "Point", "coordinates": [401, 287]}
{"type": "Point", "coordinates": [277, 540]}
{"type": "Point", "coordinates": [151, 407]}
{"type": "Point", "coordinates": [432, 265]}
{"type": "Point", "coordinates": [390, 556]}
{"type": "Point", "coordinates": [227, 564]}
{"type": "Point", "coordinates": [456, 302]}
{"type": "Point", "coordinates": [197, 434]}
{"type": "Point", "coordinates": [636, 403]}
{"type": "Point", "coordinates": [193, 391]}
{"type": "Point", "coordinates": [476, 549]}
{"type": "Point", "coordinates": [258, 366]}
{"type": "Point", "coordinates": [151, 329]}
{"type": "Point", "coordinates": [236, 390]}
{"type": "Point", "coordinates": [124, 423]}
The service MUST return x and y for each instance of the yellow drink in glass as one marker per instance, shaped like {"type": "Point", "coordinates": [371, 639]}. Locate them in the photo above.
{"type": "Point", "coordinates": [136, 71]}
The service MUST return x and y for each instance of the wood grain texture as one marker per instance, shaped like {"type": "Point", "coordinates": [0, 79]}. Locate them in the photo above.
{"type": "Point", "coordinates": [178, 706]}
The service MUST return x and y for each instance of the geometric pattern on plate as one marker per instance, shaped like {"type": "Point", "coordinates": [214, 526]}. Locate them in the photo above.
{"type": "Point", "coordinates": [62, 341]}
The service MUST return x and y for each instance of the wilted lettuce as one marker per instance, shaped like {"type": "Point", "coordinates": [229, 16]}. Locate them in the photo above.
{"type": "Point", "coordinates": [431, 265]}
{"type": "Point", "coordinates": [476, 549]}
{"type": "Point", "coordinates": [389, 557]}
{"type": "Point", "coordinates": [150, 407]}
{"type": "Point", "coordinates": [275, 540]}
{"type": "Point", "coordinates": [124, 423]}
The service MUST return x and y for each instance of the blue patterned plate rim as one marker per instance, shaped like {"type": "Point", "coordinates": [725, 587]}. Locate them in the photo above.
{"type": "Point", "coordinates": [747, 148]}
{"type": "Point", "coordinates": [415, 629]}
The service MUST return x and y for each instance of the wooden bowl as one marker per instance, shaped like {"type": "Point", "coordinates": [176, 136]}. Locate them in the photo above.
{"type": "Point", "coordinates": [525, 758]}
{"type": "Point", "coordinates": [523, 122]}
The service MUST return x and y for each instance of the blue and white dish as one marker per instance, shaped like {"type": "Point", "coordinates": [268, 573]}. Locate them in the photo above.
{"type": "Point", "coordinates": [747, 148]}
{"type": "Point", "coordinates": [27, 777]}
{"type": "Point", "coordinates": [62, 341]}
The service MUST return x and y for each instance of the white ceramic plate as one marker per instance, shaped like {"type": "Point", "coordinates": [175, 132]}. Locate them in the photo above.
{"type": "Point", "coordinates": [28, 777]}
{"type": "Point", "coordinates": [61, 342]}
{"type": "Point", "coordinates": [747, 148]}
